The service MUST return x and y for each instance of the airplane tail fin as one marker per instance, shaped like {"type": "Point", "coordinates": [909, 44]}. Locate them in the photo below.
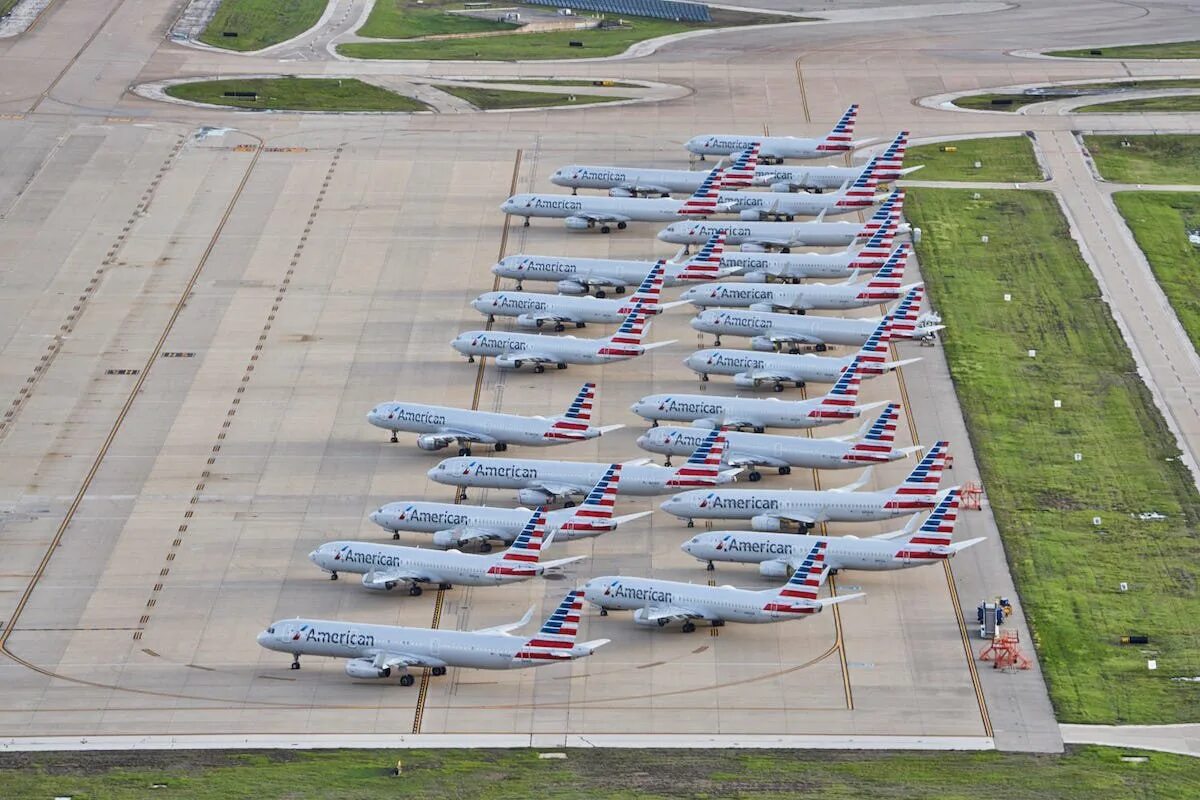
{"type": "Point", "coordinates": [741, 172]}
{"type": "Point", "coordinates": [921, 485]}
{"type": "Point", "coordinates": [577, 419]}
{"type": "Point", "coordinates": [902, 320]}
{"type": "Point", "coordinates": [703, 467]}
{"type": "Point", "coordinates": [799, 594]}
{"type": "Point", "coordinates": [877, 248]}
{"type": "Point", "coordinates": [649, 293]}
{"type": "Point", "coordinates": [861, 192]}
{"type": "Point", "coordinates": [555, 639]}
{"type": "Point", "coordinates": [627, 341]}
{"type": "Point", "coordinates": [527, 548]}
{"type": "Point", "coordinates": [840, 401]}
{"type": "Point", "coordinates": [595, 513]}
{"type": "Point", "coordinates": [888, 164]}
{"type": "Point", "coordinates": [706, 263]}
{"type": "Point", "coordinates": [884, 285]}
{"type": "Point", "coordinates": [876, 442]}
{"type": "Point", "coordinates": [889, 210]}
{"type": "Point", "coordinates": [840, 138]}
{"type": "Point", "coordinates": [704, 200]}
{"type": "Point", "coordinates": [938, 529]}
{"type": "Point", "coordinates": [874, 354]}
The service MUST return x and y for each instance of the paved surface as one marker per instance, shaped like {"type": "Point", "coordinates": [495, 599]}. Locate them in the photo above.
{"type": "Point", "coordinates": [271, 283]}
{"type": "Point", "coordinates": [1182, 739]}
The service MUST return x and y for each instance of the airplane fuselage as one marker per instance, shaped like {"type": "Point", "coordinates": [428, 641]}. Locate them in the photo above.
{"type": "Point", "coordinates": [804, 329]}
{"type": "Point", "coordinates": [756, 267]}
{"type": "Point", "coordinates": [456, 520]}
{"type": "Point", "coordinates": [563, 206]}
{"type": "Point", "coordinates": [814, 177]}
{"type": "Point", "coordinates": [791, 204]}
{"type": "Point", "coordinates": [806, 297]}
{"type": "Point", "coordinates": [530, 308]}
{"type": "Point", "coordinates": [639, 480]}
{"type": "Point", "coordinates": [774, 147]}
{"type": "Point", "coordinates": [714, 603]}
{"type": "Point", "coordinates": [516, 348]}
{"type": "Point", "coordinates": [806, 368]}
{"type": "Point", "coordinates": [506, 428]}
{"type": "Point", "coordinates": [786, 549]}
{"type": "Point", "coordinates": [736, 411]}
{"type": "Point", "coordinates": [434, 566]}
{"type": "Point", "coordinates": [773, 234]}
{"type": "Point", "coordinates": [766, 507]}
{"type": "Point", "coordinates": [577, 274]}
{"type": "Point", "coordinates": [768, 449]}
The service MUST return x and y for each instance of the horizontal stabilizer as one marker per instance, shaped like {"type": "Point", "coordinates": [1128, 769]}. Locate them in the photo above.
{"type": "Point", "coordinates": [630, 517]}
{"type": "Point", "coordinates": [910, 170]}
{"type": "Point", "coordinates": [593, 645]}
{"type": "Point", "coordinates": [871, 406]}
{"type": "Point", "coordinates": [561, 562]}
{"type": "Point", "coordinates": [858, 144]}
{"type": "Point", "coordinates": [636, 462]}
{"type": "Point", "coordinates": [841, 598]}
{"type": "Point", "coordinates": [958, 546]}
{"type": "Point", "coordinates": [674, 304]}
{"type": "Point", "coordinates": [904, 362]}
{"type": "Point", "coordinates": [907, 530]}
{"type": "Point", "coordinates": [610, 428]}
{"type": "Point", "coordinates": [657, 345]}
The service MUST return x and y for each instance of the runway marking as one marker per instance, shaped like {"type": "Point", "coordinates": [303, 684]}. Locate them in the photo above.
{"type": "Point", "coordinates": [440, 599]}
{"type": "Point", "coordinates": [803, 91]}
{"type": "Point", "coordinates": [56, 540]}
{"type": "Point", "coordinates": [54, 83]}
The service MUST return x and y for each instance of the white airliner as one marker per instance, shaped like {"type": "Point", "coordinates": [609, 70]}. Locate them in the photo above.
{"type": "Point", "coordinates": [777, 148]}
{"type": "Point", "coordinates": [852, 196]}
{"type": "Point", "coordinates": [375, 651]}
{"type": "Point", "coordinates": [751, 369]}
{"type": "Point", "coordinates": [786, 235]}
{"type": "Point", "coordinates": [440, 425]}
{"type": "Point", "coordinates": [778, 554]}
{"type": "Point", "coordinates": [581, 275]}
{"type": "Point", "coordinates": [769, 332]}
{"type": "Point", "coordinates": [580, 212]}
{"type": "Point", "coordinates": [456, 525]}
{"type": "Point", "coordinates": [872, 444]}
{"type": "Point", "coordinates": [658, 602]}
{"type": "Point", "coordinates": [882, 287]}
{"type": "Point", "coordinates": [757, 413]}
{"type": "Point", "coordinates": [759, 267]}
{"type": "Point", "coordinates": [780, 509]}
{"type": "Point", "coordinates": [385, 566]}
{"type": "Point", "coordinates": [544, 482]}
{"type": "Point", "coordinates": [639, 182]}
{"type": "Point", "coordinates": [887, 166]}
{"type": "Point", "coordinates": [514, 350]}
{"type": "Point", "coordinates": [536, 310]}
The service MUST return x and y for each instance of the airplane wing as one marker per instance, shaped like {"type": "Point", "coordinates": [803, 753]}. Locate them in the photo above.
{"type": "Point", "coordinates": [746, 460]}
{"type": "Point", "coordinates": [509, 626]}
{"type": "Point", "coordinates": [959, 546]}
{"type": "Point", "coordinates": [456, 537]}
{"type": "Point", "coordinates": [655, 613]}
{"type": "Point", "coordinates": [559, 489]}
{"type": "Point", "coordinates": [510, 359]}
{"type": "Point", "coordinates": [385, 660]}
{"type": "Point", "coordinates": [379, 579]}
{"type": "Point", "coordinates": [799, 516]}
{"type": "Point", "coordinates": [637, 189]}
{"type": "Point", "coordinates": [795, 338]}
{"type": "Point", "coordinates": [461, 434]}
{"type": "Point", "coordinates": [594, 217]}
{"type": "Point", "coordinates": [636, 462]}
{"type": "Point", "coordinates": [560, 562]}
{"type": "Point", "coordinates": [764, 376]}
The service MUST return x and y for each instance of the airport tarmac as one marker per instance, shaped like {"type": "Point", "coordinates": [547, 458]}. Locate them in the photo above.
{"type": "Point", "coordinates": [194, 325]}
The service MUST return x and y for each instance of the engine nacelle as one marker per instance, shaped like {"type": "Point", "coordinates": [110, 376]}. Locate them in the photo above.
{"type": "Point", "coordinates": [507, 361]}
{"type": "Point", "coordinates": [619, 191]}
{"type": "Point", "coordinates": [745, 381]}
{"type": "Point", "coordinates": [534, 497]}
{"type": "Point", "coordinates": [751, 247]}
{"type": "Point", "coordinates": [446, 539]}
{"type": "Point", "coordinates": [570, 287]}
{"type": "Point", "coordinates": [755, 277]}
{"type": "Point", "coordinates": [639, 616]}
{"type": "Point", "coordinates": [527, 321]}
{"type": "Point", "coordinates": [782, 186]}
{"type": "Point", "coordinates": [430, 442]}
{"type": "Point", "coordinates": [370, 582]}
{"type": "Point", "coordinates": [762, 522]}
{"type": "Point", "coordinates": [577, 223]}
{"type": "Point", "coordinates": [775, 569]}
{"type": "Point", "coordinates": [365, 668]}
{"type": "Point", "coordinates": [762, 344]}
{"type": "Point", "coordinates": [750, 215]}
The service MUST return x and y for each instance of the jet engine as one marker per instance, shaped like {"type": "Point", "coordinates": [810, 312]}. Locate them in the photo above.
{"type": "Point", "coordinates": [619, 191]}
{"type": "Point", "coordinates": [775, 569]}
{"type": "Point", "coordinates": [771, 524]}
{"type": "Point", "coordinates": [750, 215]}
{"type": "Point", "coordinates": [365, 668]}
{"type": "Point", "coordinates": [534, 497]}
{"type": "Point", "coordinates": [751, 247]}
{"type": "Point", "coordinates": [446, 539]}
{"type": "Point", "coordinates": [431, 442]}
{"type": "Point", "coordinates": [577, 223]}
{"type": "Point", "coordinates": [762, 344]}
{"type": "Point", "coordinates": [639, 616]}
{"type": "Point", "coordinates": [570, 287]}
{"type": "Point", "coordinates": [745, 380]}
{"type": "Point", "coordinates": [754, 277]}
{"type": "Point", "coordinates": [370, 582]}
{"type": "Point", "coordinates": [782, 187]}
{"type": "Point", "coordinates": [528, 321]}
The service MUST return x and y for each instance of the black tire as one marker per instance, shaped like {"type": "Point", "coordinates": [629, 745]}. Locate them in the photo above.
{"type": "Point", "coordinates": [464, 451]}
{"type": "Point", "coordinates": [662, 623]}
{"type": "Point", "coordinates": [605, 229]}
{"type": "Point", "coordinates": [777, 387]}
{"type": "Point", "coordinates": [407, 680]}
{"type": "Point", "coordinates": [437, 672]}
{"type": "Point", "coordinates": [539, 368]}
{"type": "Point", "coordinates": [619, 290]}
{"type": "Point", "coordinates": [755, 476]}
{"type": "Point", "coordinates": [689, 627]}
{"type": "Point", "coordinates": [415, 590]}
{"type": "Point", "coordinates": [501, 447]}
{"type": "Point", "coordinates": [517, 364]}
{"type": "Point", "coordinates": [622, 226]}
{"type": "Point", "coordinates": [821, 348]}
{"type": "Point", "coordinates": [486, 547]}
{"type": "Point", "coordinates": [785, 470]}
{"type": "Point", "coordinates": [601, 294]}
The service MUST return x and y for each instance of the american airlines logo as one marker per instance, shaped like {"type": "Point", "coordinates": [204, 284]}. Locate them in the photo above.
{"type": "Point", "coordinates": [710, 230]}
{"type": "Point", "coordinates": [535, 265]}
{"type": "Point", "coordinates": [481, 470]}
{"type": "Point", "coordinates": [739, 143]}
{"type": "Point", "coordinates": [348, 555]}
{"type": "Point", "coordinates": [732, 545]}
{"type": "Point", "coordinates": [566, 205]}
{"type": "Point", "coordinates": [750, 503]}
{"type": "Point", "coordinates": [724, 292]}
{"type": "Point", "coordinates": [598, 175]}
{"type": "Point", "coordinates": [451, 518]}
{"type": "Point", "coordinates": [511, 301]}
{"type": "Point", "coordinates": [739, 361]}
{"type": "Point", "coordinates": [420, 417]}
{"type": "Point", "coordinates": [617, 590]}
{"type": "Point", "coordinates": [739, 260]}
{"type": "Point", "coordinates": [731, 321]}
{"type": "Point", "coordinates": [689, 406]}
{"type": "Point", "coordinates": [484, 340]}
{"type": "Point", "coordinates": [348, 638]}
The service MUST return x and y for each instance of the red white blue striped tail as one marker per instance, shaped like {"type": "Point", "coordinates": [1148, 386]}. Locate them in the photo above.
{"type": "Point", "coordinates": [922, 482]}
{"type": "Point", "coordinates": [887, 165]}
{"type": "Point", "coordinates": [704, 200]}
{"type": "Point", "coordinates": [646, 298]}
{"type": "Point", "coordinates": [893, 205]}
{"type": "Point", "coordinates": [841, 137]}
{"type": "Point", "coordinates": [861, 193]}
{"type": "Point", "coordinates": [841, 400]}
{"type": "Point", "coordinates": [938, 529]}
{"type": "Point", "coordinates": [877, 249]}
{"type": "Point", "coordinates": [799, 594]}
{"type": "Point", "coordinates": [575, 422]}
{"type": "Point", "coordinates": [556, 637]}
{"type": "Point", "coordinates": [627, 341]}
{"type": "Point", "coordinates": [741, 172]}
{"type": "Point", "coordinates": [526, 549]}
{"type": "Point", "coordinates": [706, 263]}
{"type": "Point", "coordinates": [876, 446]}
{"type": "Point", "coordinates": [875, 352]}
{"type": "Point", "coordinates": [884, 285]}
{"type": "Point", "coordinates": [902, 320]}
{"type": "Point", "coordinates": [703, 466]}
{"type": "Point", "coordinates": [595, 513]}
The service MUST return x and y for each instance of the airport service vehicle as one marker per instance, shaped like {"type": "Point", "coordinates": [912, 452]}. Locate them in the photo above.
{"type": "Point", "coordinates": [584, 212]}
{"type": "Point", "coordinates": [582, 275]}
{"type": "Point", "coordinates": [872, 444]}
{"type": "Point", "coordinates": [778, 148]}
{"type": "Point", "coordinates": [658, 602]}
{"type": "Point", "coordinates": [757, 267]}
{"type": "Point", "coordinates": [641, 182]}
{"type": "Point", "coordinates": [376, 651]}
{"type": "Point", "coordinates": [887, 166]}
{"type": "Point", "coordinates": [759, 236]}
{"type": "Point", "coordinates": [438, 426]}
{"type": "Point", "coordinates": [769, 332]}
{"type": "Point", "coordinates": [537, 310]}
{"type": "Point", "coordinates": [882, 287]}
{"type": "Point", "coordinates": [754, 412]}
{"type": "Point", "coordinates": [514, 350]}
{"type": "Point", "coordinates": [385, 566]}
{"type": "Point", "coordinates": [544, 482]}
{"type": "Point", "coordinates": [778, 554]}
{"type": "Point", "coordinates": [783, 509]}
{"type": "Point", "coordinates": [458, 525]}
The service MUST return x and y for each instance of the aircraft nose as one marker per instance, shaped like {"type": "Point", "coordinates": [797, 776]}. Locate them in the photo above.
{"type": "Point", "coordinates": [643, 440]}
{"type": "Point", "coordinates": [689, 545]}
{"type": "Point", "coordinates": [376, 516]}
{"type": "Point", "coordinates": [665, 234]}
{"type": "Point", "coordinates": [263, 638]}
{"type": "Point", "coordinates": [432, 474]}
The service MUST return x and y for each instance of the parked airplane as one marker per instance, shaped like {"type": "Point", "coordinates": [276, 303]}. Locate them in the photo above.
{"type": "Point", "coordinates": [778, 148]}
{"type": "Point", "coordinates": [779, 509]}
{"type": "Point", "coordinates": [887, 166]}
{"type": "Point", "coordinates": [769, 332]}
{"type": "Point", "coordinates": [757, 236]}
{"type": "Point", "coordinates": [374, 651]}
{"type": "Point", "coordinates": [385, 566]}
{"type": "Point", "coordinates": [658, 602]}
{"type": "Point", "coordinates": [756, 413]}
{"type": "Point", "coordinates": [882, 287]}
{"type": "Point", "coordinates": [544, 482]}
{"type": "Point", "coordinates": [440, 425]}
{"type": "Point", "coordinates": [852, 196]}
{"type": "Point", "coordinates": [758, 267]}
{"type": "Point", "coordinates": [584, 212]}
{"type": "Point", "coordinates": [457, 525]}
{"type": "Point", "coordinates": [536, 310]}
{"type": "Point", "coordinates": [778, 554]}
{"type": "Point", "coordinates": [514, 350]}
{"type": "Point", "coordinates": [639, 182]}
{"type": "Point", "coordinates": [872, 444]}
{"type": "Point", "coordinates": [581, 275]}
{"type": "Point", "coordinates": [751, 369]}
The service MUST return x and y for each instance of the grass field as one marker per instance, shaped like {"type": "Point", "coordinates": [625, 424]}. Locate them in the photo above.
{"type": "Point", "coordinates": [487, 99]}
{"type": "Point", "coordinates": [1068, 571]}
{"type": "Point", "coordinates": [406, 19]}
{"type": "Point", "coordinates": [1166, 158]}
{"type": "Point", "coordinates": [1012, 102]}
{"type": "Point", "coordinates": [1160, 50]}
{"type": "Point", "coordinates": [564, 82]}
{"type": "Point", "coordinates": [7, 5]}
{"type": "Point", "coordinates": [298, 94]}
{"type": "Point", "coordinates": [1176, 104]}
{"type": "Point", "coordinates": [1003, 158]}
{"type": "Point", "coordinates": [1160, 222]}
{"type": "Point", "coordinates": [553, 44]}
{"type": "Point", "coordinates": [261, 23]}
{"type": "Point", "coordinates": [1084, 773]}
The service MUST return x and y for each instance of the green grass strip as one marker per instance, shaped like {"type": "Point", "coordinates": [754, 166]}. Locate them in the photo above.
{"type": "Point", "coordinates": [297, 94]}
{"type": "Point", "coordinates": [1067, 570]}
{"type": "Point", "coordinates": [406, 19]}
{"type": "Point", "coordinates": [1176, 105]}
{"type": "Point", "coordinates": [1018, 100]}
{"type": "Point", "coordinates": [487, 99]}
{"type": "Point", "coordinates": [260, 23]}
{"type": "Point", "coordinates": [1160, 50]}
{"type": "Point", "coordinates": [1165, 158]}
{"type": "Point", "coordinates": [1005, 158]}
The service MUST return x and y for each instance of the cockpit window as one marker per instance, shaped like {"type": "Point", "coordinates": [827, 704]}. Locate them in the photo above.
{"type": "Point", "coordinates": [271, 629]}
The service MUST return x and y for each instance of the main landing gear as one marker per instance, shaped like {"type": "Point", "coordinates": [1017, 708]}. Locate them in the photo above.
{"type": "Point", "coordinates": [437, 672]}
{"type": "Point", "coordinates": [689, 627]}
{"type": "Point", "coordinates": [296, 661]}
{"type": "Point", "coordinates": [415, 590]}
{"type": "Point", "coordinates": [394, 439]}
{"type": "Point", "coordinates": [526, 224]}
{"type": "Point", "coordinates": [333, 576]}
{"type": "Point", "coordinates": [691, 523]}
{"type": "Point", "coordinates": [711, 566]}
{"type": "Point", "coordinates": [406, 679]}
